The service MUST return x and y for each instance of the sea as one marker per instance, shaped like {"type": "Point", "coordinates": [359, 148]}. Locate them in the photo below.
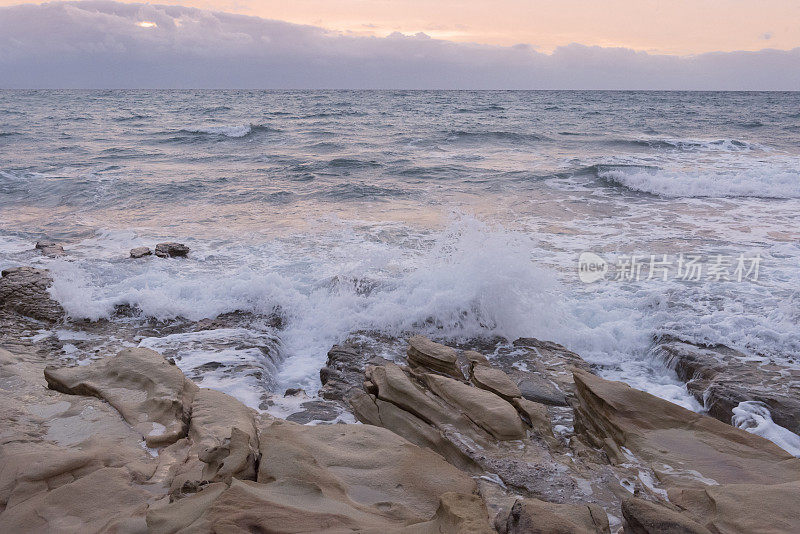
{"type": "Point", "coordinates": [598, 220]}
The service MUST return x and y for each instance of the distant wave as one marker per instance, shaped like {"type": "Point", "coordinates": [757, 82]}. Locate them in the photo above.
{"type": "Point", "coordinates": [757, 182]}
{"type": "Point", "coordinates": [700, 145]}
{"type": "Point", "coordinates": [234, 131]}
{"type": "Point", "coordinates": [518, 137]}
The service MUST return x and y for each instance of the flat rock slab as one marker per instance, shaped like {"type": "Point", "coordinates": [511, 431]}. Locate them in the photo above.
{"type": "Point", "coordinates": [25, 291]}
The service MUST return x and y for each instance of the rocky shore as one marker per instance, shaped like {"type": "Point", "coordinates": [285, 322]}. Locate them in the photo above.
{"type": "Point", "coordinates": [487, 436]}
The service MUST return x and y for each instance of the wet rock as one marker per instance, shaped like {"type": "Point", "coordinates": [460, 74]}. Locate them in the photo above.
{"type": "Point", "coordinates": [25, 291]}
{"type": "Point", "coordinates": [720, 378]}
{"type": "Point", "coordinates": [422, 352]}
{"type": "Point", "coordinates": [723, 478]}
{"type": "Point", "coordinates": [529, 516]}
{"type": "Point", "coordinates": [152, 395]}
{"type": "Point", "coordinates": [540, 390]}
{"type": "Point", "coordinates": [344, 369]}
{"type": "Point", "coordinates": [496, 381]}
{"type": "Point", "coordinates": [316, 410]}
{"type": "Point", "coordinates": [646, 517]}
{"type": "Point", "coordinates": [486, 409]}
{"type": "Point", "coordinates": [50, 248]}
{"type": "Point", "coordinates": [171, 250]}
{"type": "Point", "coordinates": [665, 434]}
{"type": "Point", "coordinates": [140, 252]}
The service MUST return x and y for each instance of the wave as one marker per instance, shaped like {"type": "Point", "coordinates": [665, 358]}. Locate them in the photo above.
{"type": "Point", "coordinates": [700, 145]}
{"type": "Point", "coordinates": [496, 136]}
{"type": "Point", "coordinates": [232, 131]}
{"type": "Point", "coordinates": [759, 181]}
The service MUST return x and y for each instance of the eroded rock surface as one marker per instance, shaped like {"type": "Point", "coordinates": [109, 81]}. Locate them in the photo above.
{"type": "Point", "coordinates": [721, 477]}
{"type": "Point", "coordinates": [721, 378]}
{"type": "Point", "coordinates": [24, 290]}
{"type": "Point", "coordinates": [149, 392]}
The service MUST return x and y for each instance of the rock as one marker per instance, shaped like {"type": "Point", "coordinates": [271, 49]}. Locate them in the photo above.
{"type": "Point", "coordinates": [680, 445]}
{"type": "Point", "coordinates": [460, 513]}
{"type": "Point", "coordinates": [645, 517]}
{"type": "Point", "coordinates": [344, 369]}
{"type": "Point", "coordinates": [394, 386]}
{"type": "Point", "coordinates": [171, 250]}
{"type": "Point", "coordinates": [152, 395]}
{"type": "Point", "coordinates": [486, 409]}
{"type": "Point", "coordinates": [541, 390]}
{"type": "Point", "coordinates": [742, 508]}
{"type": "Point", "coordinates": [140, 252]}
{"type": "Point", "coordinates": [723, 478]}
{"type": "Point", "coordinates": [422, 352]}
{"type": "Point", "coordinates": [537, 416]}
{"type": "Point", "coordinates": [720, 378]}
{"type": "Point", "coordinates": [185, 512]}
{"type": "Point", "coordinates": [25, 291]}
{"type": "Point", "coordinates": [475, 358]}
{"type": "Point", "coordinates": [533, 516]}
{"type": "Point", "coordinates": [365, 468]}
{"type": "Point", "coordinates": [50, 248]}
{"type": "Point", "coordinates": [371, 410]}
{"type": "Point", "coordinates": [496, 381]}
{"type": "Point", "coordinates": [92, 503]}
{"type": "Point", "coordinates": [223, 433]}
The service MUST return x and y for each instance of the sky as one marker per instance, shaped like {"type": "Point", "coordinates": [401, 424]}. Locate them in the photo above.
{"type": "Point", "coordinates": [504, 44]}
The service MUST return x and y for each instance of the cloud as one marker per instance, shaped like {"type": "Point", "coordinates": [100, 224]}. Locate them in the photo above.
{"type": "Point", "coordinates": [103, 44]}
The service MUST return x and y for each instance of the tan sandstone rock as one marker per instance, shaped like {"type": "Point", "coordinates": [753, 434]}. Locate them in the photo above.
{"type": "Point", "coordinates": [646, 517]}
{"type": "Point", "coordinates": [149, 392]}
{"type": "Point", "coordinates": [486, 409]}
{"type": "Point", "coordinates": [533, 516]}
{"type": "Point", "coordinates": [422, 352]}
{"type": "Point", "coordinates": [496, 381]}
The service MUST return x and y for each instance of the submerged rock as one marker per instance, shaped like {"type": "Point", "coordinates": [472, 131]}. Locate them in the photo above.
{"type": "Point", "coordinates": [171, 250]}
{"type": "Point", "coordinates": [140, 252]}
{"type": "Point", "coordinates": [25, 291]}
{"type": "Point", "coordinates": [50, 248]}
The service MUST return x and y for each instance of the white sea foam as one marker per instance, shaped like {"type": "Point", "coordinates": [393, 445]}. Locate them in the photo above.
{"type": "Point", "coordinates": [755, 418]}
{"type": "Point", "coordinates": [469, 279]}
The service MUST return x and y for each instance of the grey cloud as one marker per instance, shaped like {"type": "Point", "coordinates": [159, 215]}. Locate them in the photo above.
{"type": "Point", "coordinates": [97, 44]}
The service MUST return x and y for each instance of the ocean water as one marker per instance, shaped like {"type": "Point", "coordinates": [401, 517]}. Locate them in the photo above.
{"type": "Point", "coordinates": [453, 213]}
